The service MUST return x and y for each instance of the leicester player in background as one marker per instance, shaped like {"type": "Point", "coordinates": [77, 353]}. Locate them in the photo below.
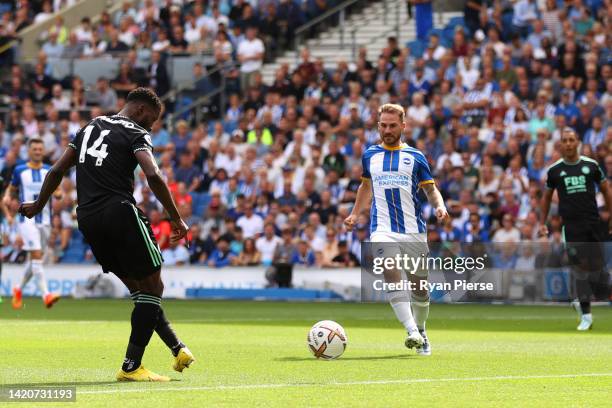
{"type": "Point", "coordinates": [106, 153]}
{"type": "Point", "coordinates": [26, 183]}
{"type": "Point", "coordinates": [576, 179]}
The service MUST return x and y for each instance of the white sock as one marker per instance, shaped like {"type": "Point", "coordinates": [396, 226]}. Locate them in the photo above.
{"type": "Point", "coordinates": [588, 316]}
{"type": "Point", "coordinates": [27, 275]}
{"type": "Point", "coordinates": [420, 309]}
{"type": "Point", "coordinates": [401, 306]}
{"type": "Point", "coordinates": [38, 272]}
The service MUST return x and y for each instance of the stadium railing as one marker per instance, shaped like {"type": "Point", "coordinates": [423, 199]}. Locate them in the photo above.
{"type": "Point", "coordinates": [194, 110]}
{"type": "Point", "coordinates": [324, 21]}
{"type": "Point", "coordinates": [179, 66]}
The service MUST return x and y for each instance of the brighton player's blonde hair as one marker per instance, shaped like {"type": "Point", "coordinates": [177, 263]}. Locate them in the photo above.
{"type": "Point", "coordinates": [392, 108]}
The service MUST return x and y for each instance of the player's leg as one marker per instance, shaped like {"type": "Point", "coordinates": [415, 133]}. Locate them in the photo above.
{"type": "Point", "coordinates": [383, 245]}
{"type": "Point", "coordinates": [144, 319]}
{"type": "Point", "coordinates": [419, 293]}
{"type": "Point", "coordinates": [582, 276]}
{"type": "Point", "coordinates": [583, 292]}
{"type": "Point", "coordinates": [17, 301]}
{"type": "Point", "coordinates": [400, 303]}
{"type": "Point", "coordinates": [595, 274]}
{"type": "Point", "coordinates": [576, 238]}
{"type": "Point", "coordinates": [182, 355]}
{"type": "Point", "coordinates": [137, 257]}
{"type": "Point", "coordinates": [31, 244]}
{"type": "Point", "coordinates": [38, 254]}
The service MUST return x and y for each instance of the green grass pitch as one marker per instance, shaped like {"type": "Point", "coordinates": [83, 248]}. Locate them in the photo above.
{"type": "Point", "coordinates": [254, 354]}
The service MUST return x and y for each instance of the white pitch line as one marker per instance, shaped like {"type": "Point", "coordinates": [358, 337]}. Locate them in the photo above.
{"type": "Point", "coordinates": [340, 384]}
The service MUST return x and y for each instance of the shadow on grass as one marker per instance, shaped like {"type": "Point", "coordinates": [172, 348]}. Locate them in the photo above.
{"type": "Point", "coordinates": [393, 357]}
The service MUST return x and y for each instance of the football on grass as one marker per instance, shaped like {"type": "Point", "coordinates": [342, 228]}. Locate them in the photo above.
{"type": "Point", "coordinates": [327, 340]}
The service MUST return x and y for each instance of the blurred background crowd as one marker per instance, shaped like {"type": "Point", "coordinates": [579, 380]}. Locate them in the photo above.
{"type": "Point", "coordinates": [271, 174]}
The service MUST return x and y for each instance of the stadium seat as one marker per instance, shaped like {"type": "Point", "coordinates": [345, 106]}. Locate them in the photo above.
{"type": "Point", "coordinates": [417, 48]}
{"type": "Point", "coordinates": [456, 21]}
{"type": "Point", "coordinates": [75, 253]}
{"type": "Point", "coordinates": [447, 36]}
{"type": "Point", "coordinates": [181, 102]}
{"type": "Point", "coordinates": [438, 31]}
{"type": "Point", "coordinates": [200, 202]}
{"type": "Point", "coordinates": [229, 126]}
{"type": "Point", "coordinates": [211, 127]}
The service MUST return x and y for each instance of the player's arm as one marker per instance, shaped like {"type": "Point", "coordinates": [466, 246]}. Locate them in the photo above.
{"type": "Point", "coordinates": [549, 190]}
{"type": "Point", "coordinates": [52, 181]}
{"type": "Point", "coordinates": [604, 186]}
{"type": "Point", "coordinates": [160, 189]}
{"type": "Point", "coordinates": [435, 200]}
{"type": "Point", "coordinates": [5, 203]}
{"type": "Point", "coordinates": [10, 193]}
{"type": "Point", "coordinates": [546, 200]}
{"type": "Point", "coordinates": [5, 211]}
{"type": "Point", "coordinates": [427, 183]}
{"type": "Point", "coordinates": [362, 201]}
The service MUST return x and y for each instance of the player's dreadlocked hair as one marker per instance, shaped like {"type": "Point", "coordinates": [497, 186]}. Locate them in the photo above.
{"type": "Point", "coordinates": [145, 95]}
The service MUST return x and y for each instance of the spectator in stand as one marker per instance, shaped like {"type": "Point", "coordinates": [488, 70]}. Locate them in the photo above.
{"type": "Point", "coordinates": [158, 74]}
{"type": "Point", "coordinates": [115, 45]}
{"type": "Point", "coordinates": [251, 223]}
{"type": "Point", "coordinates": [472, 11]}
{"type": "Point", "coordinates": [73, 49]}
{"type": "Point", "coordinates": [104, 96]}
{"type": "Point", "coordinates": [250, 55]}
{"type": "Point", "coordinates": [344, 259]}
{"type": "Point", "coordinates": [59, 100]}
{"type": "Point", "coordinates": [161, 229]}
{"type": "Point", "coordinates": [304, 255]}
{"type": "Point", "coordinates": [222, 255]}
{"type": "Point", "coordinates": [187, 173]}
{"type": "Point", "coordinates": [125, 81]}
{"type": "Point", "coordinates": [525, 13]}
{"type": "Point", "coordinates": [52, 48]}
{"type": "Point", "coordinates": [282, 261]}
{"type": "Point", "coordinates": [249, 256]}
{"type": "Point", "coordinates": [45, 13]}
{"type": "Point", "coordinates": [176, 254]}
{"type": "Point", "coordinates": [508, 233]}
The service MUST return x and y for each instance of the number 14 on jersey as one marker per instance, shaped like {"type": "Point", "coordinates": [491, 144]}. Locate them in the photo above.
{"type": "Point", "coordinates": [97, 149]}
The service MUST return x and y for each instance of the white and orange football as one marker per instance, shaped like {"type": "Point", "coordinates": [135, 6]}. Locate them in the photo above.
{"type": "Point", "coordinates": [327, 340]}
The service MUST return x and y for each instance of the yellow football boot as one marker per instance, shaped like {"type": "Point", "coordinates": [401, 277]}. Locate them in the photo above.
{"type": "Point", "coordinates": [183, 359]}
{"type": "Point", "coordinates": [141, 374]}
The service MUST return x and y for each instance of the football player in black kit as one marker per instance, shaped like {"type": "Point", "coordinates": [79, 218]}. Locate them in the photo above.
{"type": "Point", "coordinates": [576, 179]}
{"type": "Point", "coordinates": [106, 153]}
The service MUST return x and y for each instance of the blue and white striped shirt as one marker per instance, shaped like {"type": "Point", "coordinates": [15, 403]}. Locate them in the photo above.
{"type": "Point", "coordinates": [396, 175]}
{"type": "Point", "coordinates": [29, 179]}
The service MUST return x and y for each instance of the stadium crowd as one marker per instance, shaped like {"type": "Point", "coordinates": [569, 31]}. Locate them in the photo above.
{"type": "Point", "coordinates": [273, 177]}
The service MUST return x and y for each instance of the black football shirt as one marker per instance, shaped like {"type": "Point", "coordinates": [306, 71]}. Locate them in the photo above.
{"type": "Point", "coordinates": [106, 161]}
{"type": "Point", "coordinates": [576, 186]}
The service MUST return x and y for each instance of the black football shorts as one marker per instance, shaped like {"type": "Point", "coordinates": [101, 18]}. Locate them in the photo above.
{"type": "Point", "coordinates": [588, 256]}
{"type": "Point", "coordinates": [122, 241]}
